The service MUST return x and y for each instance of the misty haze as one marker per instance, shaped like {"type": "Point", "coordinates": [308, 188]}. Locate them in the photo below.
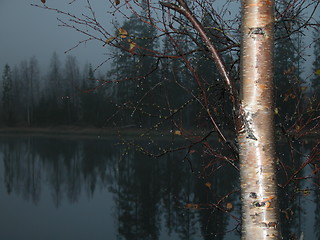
{"type": "Point", "coordinates": [125, 119]}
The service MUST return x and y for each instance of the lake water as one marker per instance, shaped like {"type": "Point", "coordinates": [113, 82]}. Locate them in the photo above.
{"type": "Point", "coordinates": [93, 188]}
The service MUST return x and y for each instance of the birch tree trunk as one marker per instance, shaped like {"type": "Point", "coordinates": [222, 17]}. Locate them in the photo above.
{"type": "Point", "coordinates": [256, 139]}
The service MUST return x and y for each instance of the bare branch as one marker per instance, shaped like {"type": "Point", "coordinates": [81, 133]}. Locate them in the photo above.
{"type": "Point", "coordinates": [184, 10]}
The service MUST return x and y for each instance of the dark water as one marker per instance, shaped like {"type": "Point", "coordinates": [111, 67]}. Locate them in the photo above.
{"type": "Point", "coordinates": [76, 188]}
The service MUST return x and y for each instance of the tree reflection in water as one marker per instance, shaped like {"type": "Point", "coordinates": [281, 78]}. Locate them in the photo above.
{"type": "Point", "coordinates": [154, 197]}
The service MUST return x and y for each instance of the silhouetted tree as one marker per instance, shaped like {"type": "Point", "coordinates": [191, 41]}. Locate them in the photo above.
{"type": "Point", "coordinates": [252, 111]}
{"type": "Point", "coordinates": [92, 100]}
{"type": "Point", "coordinates": [30, 83]}
{"type": "Point", "coordinates": [287, 70]}
{"type": "Point", "coordinates": [316, 64]}
{"type": "Point", "coordinates": [7, 96]}
{"type": "Point", "coordinates": [71, 99]}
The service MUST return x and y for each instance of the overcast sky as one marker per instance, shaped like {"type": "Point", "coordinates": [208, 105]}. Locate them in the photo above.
{"type": "Point", "coordinates": [28, 31]}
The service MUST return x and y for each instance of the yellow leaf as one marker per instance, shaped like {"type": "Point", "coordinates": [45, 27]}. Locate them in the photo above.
{"type": "Point", "coordinates": [109, 40]}
{"type": "Point", "coordinates": [290, 70]}
{"type": "Point", "coordinates": [192, 205]}
{"type": "Point", "coordinates": [177, 132]}
{"type": "Point", "coordinates": [317, 72]}
{"type": "Point", "coordinates": [208, 185]}
{"type": "Point", "coordinates": [276, 111]}
{"type": "Point", "coordinates": [123, 33]}
{"type": "Point", "coordinates": [304, 89]}
{"type": "Point", "coordinates": [132, 46]}
{"type": "Point", "coordinates": [117, 2]}
{"type": "Point", "coordinates": [289, 94]}
{"type": "Point", "coordinates": [306, 192]}
{"type": "Point", "coordinates": [229, 206]}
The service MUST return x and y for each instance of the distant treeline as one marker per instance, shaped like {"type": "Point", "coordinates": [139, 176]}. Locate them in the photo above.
{"type": "Point", "coordinates": [143, 91]}
{"type": "Point", "coordinates": [62, 96]}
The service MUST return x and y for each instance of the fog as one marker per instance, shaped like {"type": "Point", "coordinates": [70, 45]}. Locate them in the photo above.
{"type": "Point", "coordinates": [28, 31]}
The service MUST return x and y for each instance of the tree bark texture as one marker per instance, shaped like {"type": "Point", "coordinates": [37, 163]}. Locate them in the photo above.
{"type": "Point", "coordinates": [256, 138]}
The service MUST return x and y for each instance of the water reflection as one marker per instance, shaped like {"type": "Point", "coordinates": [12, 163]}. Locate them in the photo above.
{"type": "Point", "coordinates": [299, 198]}
{"type": "Point", "coordinates": [146, 198]}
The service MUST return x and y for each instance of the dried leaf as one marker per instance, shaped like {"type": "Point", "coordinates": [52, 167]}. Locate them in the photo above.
{"type": "Point", "coordinates": [132, 46]}
{"type": "Point", "coordinates": [289, 71]}
{"type": "Point", "coordinates": [229, 206]}
{"type": "Point", "coordinates": [177, 132]}
{"type": "Point", "coordinates": [317, 72]}
{"type": "Point", "coordinates": [109, 40]}
{"type": "Point", "coordinates": [316, 170]}
{"type": "Point", "coordinates": [123, 33]}
{"type": "Point", "coordinates": [43, 1]}
{"type": "Point", "coordinates": [192, 205]}
{"type": "Point", "coordinates": [289, 94]}
{"type": "Point", "coordinates": [306, 192]}
{"type": "Point", "coordinates": [189, 205]}
{"type": "Point", "coordinates": [208, 185]}
{"type": "Point", "coordinates": [288, 213]}
{"type": "Point", "coordinates": [304, 89]}
{"type": "Point", "coordinates": [117, 2]}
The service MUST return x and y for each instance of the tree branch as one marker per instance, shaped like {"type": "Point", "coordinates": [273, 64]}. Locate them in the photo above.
{"type": "Point", "coordinates": [185, 11]}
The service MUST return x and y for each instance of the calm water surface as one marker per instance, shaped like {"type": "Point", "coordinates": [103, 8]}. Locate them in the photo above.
{"type": "Point", "coordinates": [77, 188]}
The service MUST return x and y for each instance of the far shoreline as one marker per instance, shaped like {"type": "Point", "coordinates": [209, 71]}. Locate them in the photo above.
{"type": "Point", "coordinates": [79, 131]}
{"type": "Point", "coordinates": [90, 131]}
{"type": "Point", "coordinates": [60, 131]}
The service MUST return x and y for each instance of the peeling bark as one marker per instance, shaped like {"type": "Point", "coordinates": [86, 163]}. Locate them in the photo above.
{"type": "Point", "coordinates": [256, 139]}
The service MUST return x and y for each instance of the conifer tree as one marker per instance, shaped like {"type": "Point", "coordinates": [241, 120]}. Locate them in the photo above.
{"type": "Point", "coordinates": [88, 97]}
{"type": "Point", "coordinates": [7, 97]}
{"type": "Point", "coordinates": [286, 70]}
{"type": "Point", "coordinates": [71, 86]}
{"type": "Point", "coordinates": [316, 64]}
{"type": "Point", "coordinates": [54, 95]}
{"type": "Point", "coordinates": [133, 69]}
{"type": "Point", "coordinates": [30, 83]}
{"type": "Point", "coordinates": [210, 74]}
